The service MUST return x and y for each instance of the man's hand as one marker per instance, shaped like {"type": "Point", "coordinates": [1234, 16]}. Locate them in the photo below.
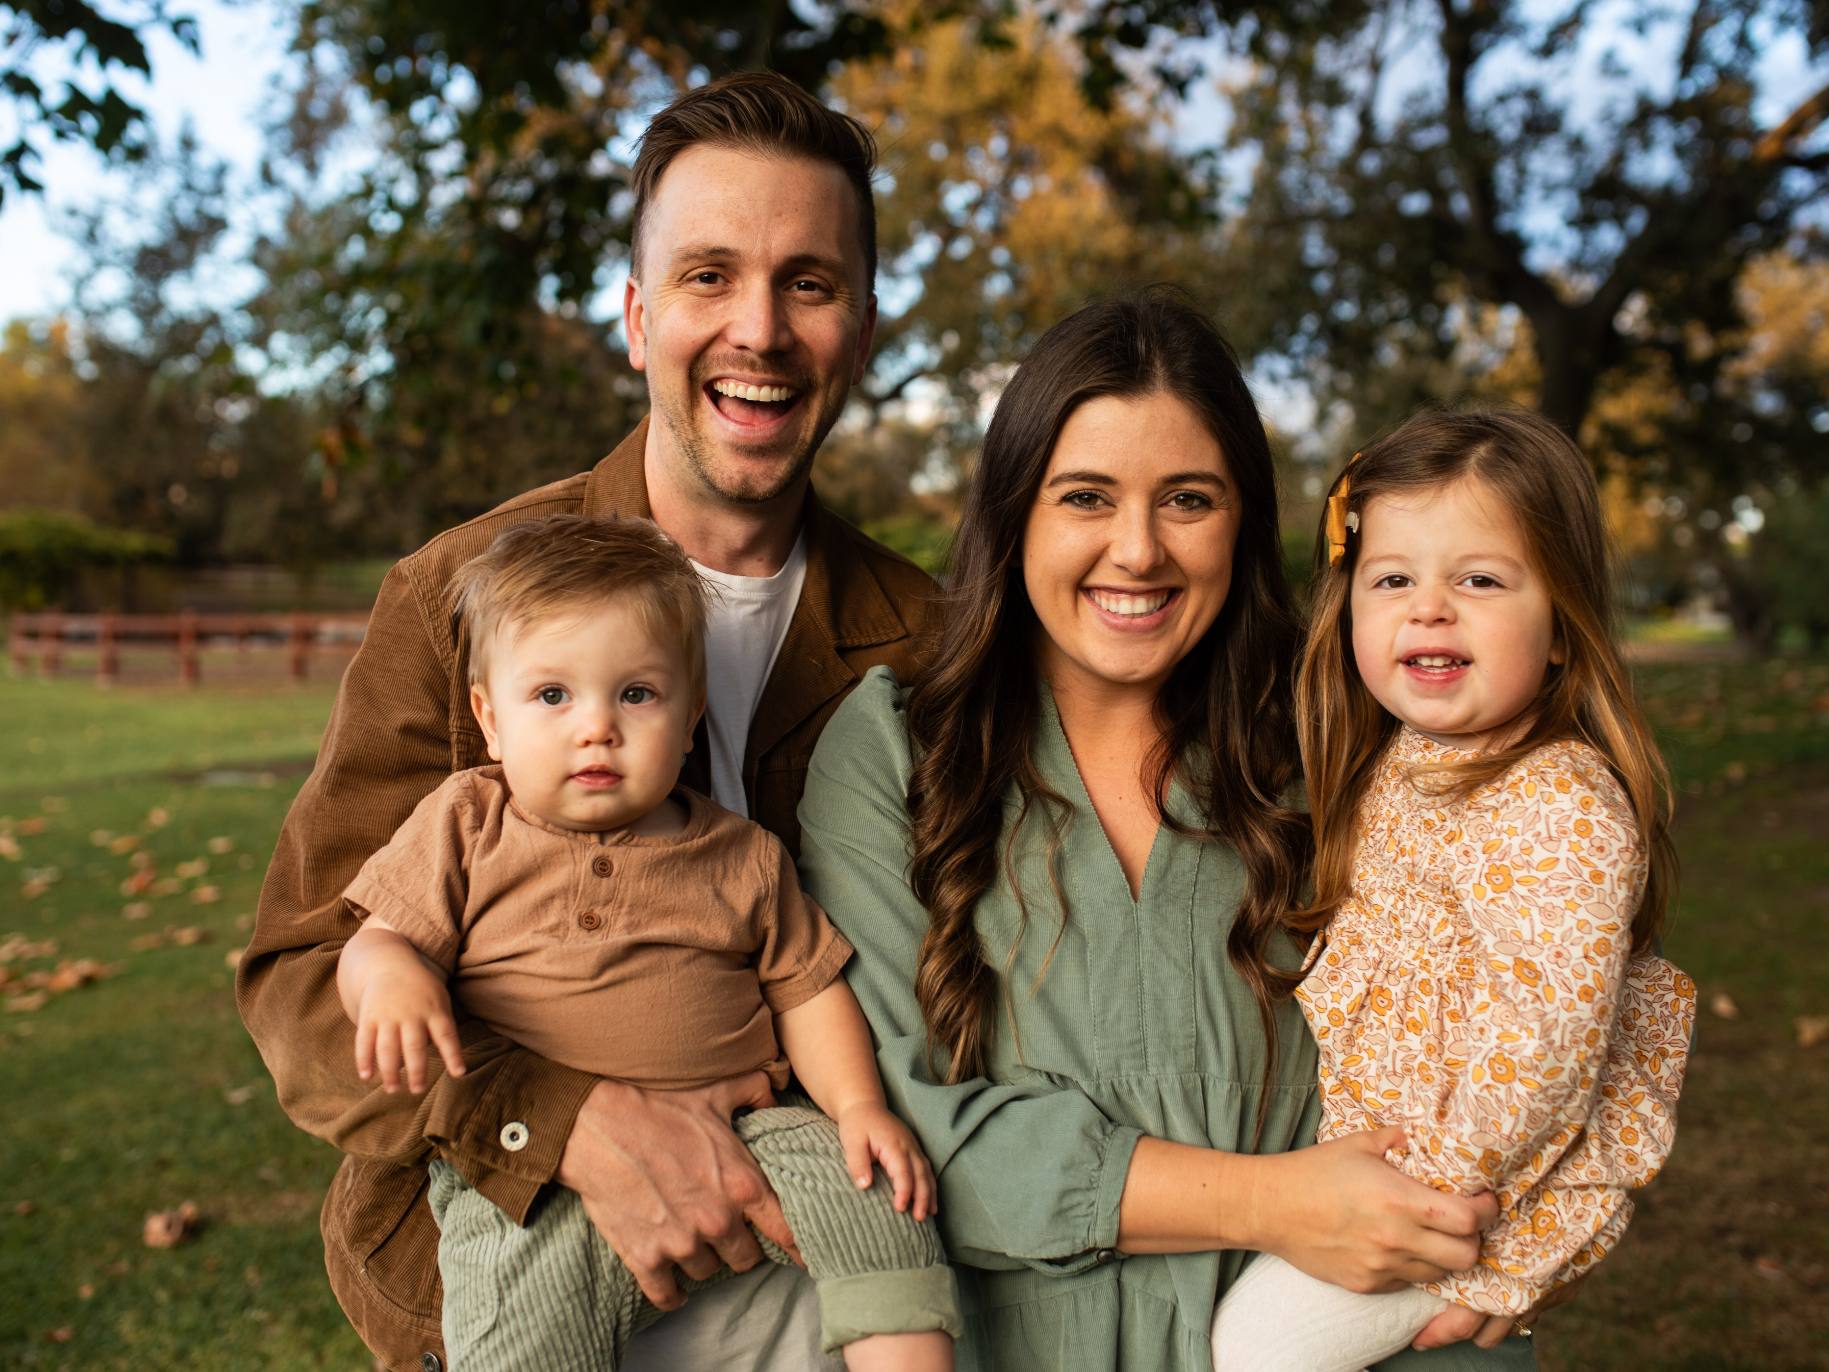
{"type": "Point", "coordinates": [668, 1184]}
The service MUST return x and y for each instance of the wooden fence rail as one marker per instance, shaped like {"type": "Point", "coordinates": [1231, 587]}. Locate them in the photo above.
{"type": "Point", "coordinates": [46, 636]}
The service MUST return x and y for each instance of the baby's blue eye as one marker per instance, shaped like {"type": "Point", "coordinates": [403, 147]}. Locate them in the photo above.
{"type": "Point", "coordinates": [551, 695]}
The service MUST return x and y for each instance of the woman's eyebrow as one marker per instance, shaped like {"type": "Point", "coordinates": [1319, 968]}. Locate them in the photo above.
{"type": "Point", "coordinates": [1194, 478]}
{"type": "Point", "coordinates": [1082, 479]}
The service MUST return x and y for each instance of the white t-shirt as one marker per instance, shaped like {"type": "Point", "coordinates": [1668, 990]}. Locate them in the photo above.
{"type": "Point", "coordinates": [748, 620]}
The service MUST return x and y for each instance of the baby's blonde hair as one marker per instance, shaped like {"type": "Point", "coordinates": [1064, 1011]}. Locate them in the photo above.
{"type": "Point", "coordinates": [564, 564]}
{"type": "Point", "coordinates": [1542, 479]}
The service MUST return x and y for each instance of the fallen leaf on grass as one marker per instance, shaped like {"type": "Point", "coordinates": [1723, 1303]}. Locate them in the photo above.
{"type": "Point", "coordinates": [137, 884]}
{"type": "Point", "coordinates": [39, 880]}
{"type": "Point", "coordinates": [188, 934]}
{"type": "Point", "coordinates": [165, 886]}
{"type": "Point", "coordinates": [53, 805]}
{"type": "Point", "coordinates": [18, 948]}
{"type": "Point", "coordinates": [33, 825]}
{"type": "Point", "coordinates": [126, 843]}
{"type": "Point", "coordinates": [25, 1207]}
{"type": "Point", "coordinates": [158, 817]}
{"type": "Point", "coordinates": [233, 957]}
{"type": "Point", "coordinates": [169, 1228]}
{"type": "Point", "coordinates": [101, 838]}
{"type": "Point", "coordinates": [196, 867]}
{"type": "Point", "coordinates": [221, 844]}
{"type": "Point", "coordinates": [62, 1334]}
{"type": "Point", "coordinates": [1769, 1267]}
{"type": "Point", "coordinates": [9, 848]}
{"type": "Point", "coordinates": [86, 1292]}
{"type": "Point", "coordinates": [206, 895]}
{"type": "Point", "coordinates": [238, 1095]}
{"type": "Point", "coordinates": [141, 858]}
{"type": "Point", "coordinates": [30, 1001]}
{"type": "Point", "coordinates": [1812, 1030]}
{"type": "Point", "coordinates": [69, 975]}
{"type": "Point", "coordinates": [136, 909]}
{"type": "Point", "coordinates": [1722, 1006]}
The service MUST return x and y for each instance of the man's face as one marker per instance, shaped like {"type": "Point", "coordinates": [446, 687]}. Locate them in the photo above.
{"type": "Point", "coordinates": [751, 313]}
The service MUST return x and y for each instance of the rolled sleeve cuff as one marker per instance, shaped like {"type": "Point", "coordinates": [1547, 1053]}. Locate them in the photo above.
{"type": "Point", "coordinates": [1106, 1193]}
{"type": "Point", "coordinates": [507, 1139]}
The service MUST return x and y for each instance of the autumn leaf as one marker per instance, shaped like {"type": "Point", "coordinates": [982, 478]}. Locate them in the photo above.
{"type": "Point", "coordinates": [136, 909]}
{"type": "Point", "coordinates": [169, 1228]}
{"type": "Point", "coordinates": [1812, 1030]}
{"type": "Point", "coordinates": [9, 848]}
{"type": "Point", "coordinates": [196, 867]}
{"type": "Point", "coordinates": [25, 1004]}
{"type": "Point", "coordinates": [101, 838]}
{"type": "Point", "coordinates": [34, 825]}
{"type": "Point", "coordinates": [1722, 1006]}
{"type": "Point", "coordinates": [221, 844]}
{"type": "Point", "coordinates": [126, 843]}
{"type": "Point", "coordinates": [158, 817]}
{"type": "Point", "coordinates": [233, 957]}
{"type": "Point", "coordinates": [206, 895]}
{"type": "Point", "coordinates": [188, 934]}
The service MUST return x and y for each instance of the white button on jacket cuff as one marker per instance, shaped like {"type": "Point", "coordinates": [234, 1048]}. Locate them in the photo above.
{"type": "Point", "coordinates": [514, 1136]}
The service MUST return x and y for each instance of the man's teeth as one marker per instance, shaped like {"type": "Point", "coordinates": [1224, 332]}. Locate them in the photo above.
{"type": "Point", "coordinates": [761, 394]}
{"type": "Point", "coordinates": [1117, 604]}
{"type": "Point", "coordinates": [1435, 660]}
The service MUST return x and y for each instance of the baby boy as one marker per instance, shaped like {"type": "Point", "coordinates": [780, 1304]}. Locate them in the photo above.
{"type": "Point", "coordinates": [584, 905]}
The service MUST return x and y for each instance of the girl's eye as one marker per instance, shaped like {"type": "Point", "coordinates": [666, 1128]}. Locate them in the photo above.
{"type": "Point", "coordinates": [1481, 582]}
{"type": "Point", "coordinates": [551, 695]}
{"type": "Point", "coordinates": [1391, 581]}
{"type": "Point", "coordinates": [637, 695]}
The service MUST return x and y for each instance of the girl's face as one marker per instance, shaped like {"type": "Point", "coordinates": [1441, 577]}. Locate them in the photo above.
{"type": "Point", "coordinates": [1127, 553]}
{"type": "Point", "coordinates": [1453, 629]}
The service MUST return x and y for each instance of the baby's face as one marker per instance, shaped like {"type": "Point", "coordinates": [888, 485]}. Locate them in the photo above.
{"type": "Point", "coordinates": [590, 716]}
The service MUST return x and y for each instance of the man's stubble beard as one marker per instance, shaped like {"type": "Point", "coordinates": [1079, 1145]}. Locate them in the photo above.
{"type": "Point", "coordinates": [700, 458]}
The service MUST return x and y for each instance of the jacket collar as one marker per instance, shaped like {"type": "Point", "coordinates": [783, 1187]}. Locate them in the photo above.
{"type": "Point", "coordinates": [842, 604]}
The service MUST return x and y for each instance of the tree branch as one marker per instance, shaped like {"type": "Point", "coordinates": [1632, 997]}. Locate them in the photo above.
{"type": "Point", "coordinates": [1800, 123]}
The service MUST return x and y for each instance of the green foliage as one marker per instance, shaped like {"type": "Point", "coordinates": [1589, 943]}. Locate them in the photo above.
{"type": "Point", "coordinates": [43, 551]}
{"type": "Point", "coordinates": [72, 107]}
{"type": "Point", "coordinates": [924, 539]}
{"type": "Point", "coordinates": [1787, 564]}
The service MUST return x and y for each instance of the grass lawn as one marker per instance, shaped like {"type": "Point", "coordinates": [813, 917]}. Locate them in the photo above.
{"type": "Point", "coordinates": [139, 1091]}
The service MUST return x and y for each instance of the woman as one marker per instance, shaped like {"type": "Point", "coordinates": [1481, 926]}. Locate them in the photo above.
{"type": "Point", "coordinates": [1060, 854]}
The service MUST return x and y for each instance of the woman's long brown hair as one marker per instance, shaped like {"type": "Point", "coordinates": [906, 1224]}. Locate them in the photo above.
{"type": "Point", "coordinates": [1226, 708]}
{"type": "Point", "coordinates": [1536, 473]}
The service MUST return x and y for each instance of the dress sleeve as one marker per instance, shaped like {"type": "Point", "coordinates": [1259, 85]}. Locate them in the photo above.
{"type": "Point", "coordinates": [1030, 1170]}
{"type": "Point", "coordinates": [388, 745]}
{"type": "Point", "coordinates": [1573, 1052]}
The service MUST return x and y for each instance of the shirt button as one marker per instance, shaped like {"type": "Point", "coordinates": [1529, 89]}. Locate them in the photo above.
{"type": "Point", "coordinates": [428, 1362]}
{"type": "Point", "coordinates": [600, 865]}
{"type": "Point", "coordinates": [590, 919]}
{"type": "Point", "coordinates": [514, 1136]}
{"type": "Point", "coordinates": [1105, 1255]}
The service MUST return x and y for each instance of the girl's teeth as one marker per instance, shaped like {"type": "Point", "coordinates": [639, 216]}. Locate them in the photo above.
{"type": "Point", "coordinates": [1434, 661]}
{"type": "Point", "coordinates": [761, 394]}
{"type": "Point", "coordinates": [1130, 604]}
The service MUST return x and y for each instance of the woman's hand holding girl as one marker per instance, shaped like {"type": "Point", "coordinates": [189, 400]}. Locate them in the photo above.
{"type": "Point", "coordinates": [1340, 1212]}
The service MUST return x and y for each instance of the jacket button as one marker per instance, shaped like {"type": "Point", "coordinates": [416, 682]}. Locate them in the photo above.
{"type": "Point", "coordinates": [590, 919]}
{"type": "Point", "coordinates": [514, 1139]}
{"type": "Point", "coordinates": [429, 1362]}
{"type": "Point", "coordinates": [600, 865]}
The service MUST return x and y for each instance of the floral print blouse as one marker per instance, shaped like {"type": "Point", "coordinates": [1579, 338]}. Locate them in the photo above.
{"type": "Point", "coordinates": [1478, 988]}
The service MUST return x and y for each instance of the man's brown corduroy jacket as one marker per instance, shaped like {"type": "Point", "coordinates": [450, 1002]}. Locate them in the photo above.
{"type": "Point", "coordinates": [401, 724]}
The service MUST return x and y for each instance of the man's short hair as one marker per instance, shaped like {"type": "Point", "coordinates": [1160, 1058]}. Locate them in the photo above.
{"type": "Point", "coordinates": [764, 113]}
{"type": "Point", "coordinates": [566, 564]}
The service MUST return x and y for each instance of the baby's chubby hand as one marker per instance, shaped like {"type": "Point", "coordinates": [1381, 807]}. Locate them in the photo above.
{"type": "Point", "coordinates": [398, 1014]}
{"type": "Point", "coordinates": [870, 1133]}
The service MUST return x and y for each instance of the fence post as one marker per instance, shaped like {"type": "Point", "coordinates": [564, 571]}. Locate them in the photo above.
{"type": "Point", "coordinates": [18, 646]}
{"type": "Point", "coordinates": [301, 645]}
{"type": "Point", "coordinates": [50, 643]}
{"type": "Point", "coordinates": [107, 652]}
{"type": "Point", "coordinates": [189, 669]}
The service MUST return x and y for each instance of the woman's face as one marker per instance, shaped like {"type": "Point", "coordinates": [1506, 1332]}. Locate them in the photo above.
{"type": "Point", "coordinates": [1127, 553]}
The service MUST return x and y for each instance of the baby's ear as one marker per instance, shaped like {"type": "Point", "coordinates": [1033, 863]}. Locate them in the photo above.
{"type": "Point", "coordinates": [692, 728]}
{"type": "Point", "coordinates": [485, 718]}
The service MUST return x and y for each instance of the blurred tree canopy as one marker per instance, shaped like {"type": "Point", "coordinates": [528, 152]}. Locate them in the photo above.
{"type": "Point", "coordinates": [1596, 207]}
{"type": "Point", "coordinates": [93, 46]}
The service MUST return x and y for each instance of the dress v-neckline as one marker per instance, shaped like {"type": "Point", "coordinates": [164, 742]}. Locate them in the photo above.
{"type": "Point", "coordinates": [1052, 710]}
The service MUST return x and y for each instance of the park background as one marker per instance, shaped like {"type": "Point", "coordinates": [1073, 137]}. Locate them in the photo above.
{"type": "Point", "coordinates": [292, 287]}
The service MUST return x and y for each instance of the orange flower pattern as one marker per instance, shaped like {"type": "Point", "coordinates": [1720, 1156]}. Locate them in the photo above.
{"type": "Point", "coordinates": [1477, 988]}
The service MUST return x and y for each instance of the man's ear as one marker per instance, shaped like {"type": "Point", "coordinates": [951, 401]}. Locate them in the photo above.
{"type": "Point", "coordinates": [635, 323]}
{"type": "Point", "coordinates": [485, 718]}
{"type": "Point", "coordinates": [865, 337]}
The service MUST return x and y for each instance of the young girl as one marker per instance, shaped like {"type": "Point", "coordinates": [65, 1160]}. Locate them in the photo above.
{"type": "Point", "coordinates": [1492, 865]}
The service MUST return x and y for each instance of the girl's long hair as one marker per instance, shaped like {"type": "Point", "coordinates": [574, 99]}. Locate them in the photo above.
{"type": "Point", "coordinates": [1226, 706]}
{"type": "Point", "coordinates": [1535, 472]}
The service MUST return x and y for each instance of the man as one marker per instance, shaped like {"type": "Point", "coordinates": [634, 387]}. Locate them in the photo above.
{"type": "Point", "coordinates": [750, 309]}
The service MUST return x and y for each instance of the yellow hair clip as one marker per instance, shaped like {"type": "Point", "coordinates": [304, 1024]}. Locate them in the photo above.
{"type": "Point", "coordinates": [1340, 520]}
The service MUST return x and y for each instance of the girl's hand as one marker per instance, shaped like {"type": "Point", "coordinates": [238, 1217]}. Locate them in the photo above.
{"type": "Point", "coordinates": [871, 1133]}
{"type": "Point", "coordinates": [1340, 1212]}
{"type": "Point", "coordinates": [1488, 1331]}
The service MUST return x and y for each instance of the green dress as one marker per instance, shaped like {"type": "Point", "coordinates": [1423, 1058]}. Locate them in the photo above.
{"type": "Point", "coordinates": [1139, 1025]}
